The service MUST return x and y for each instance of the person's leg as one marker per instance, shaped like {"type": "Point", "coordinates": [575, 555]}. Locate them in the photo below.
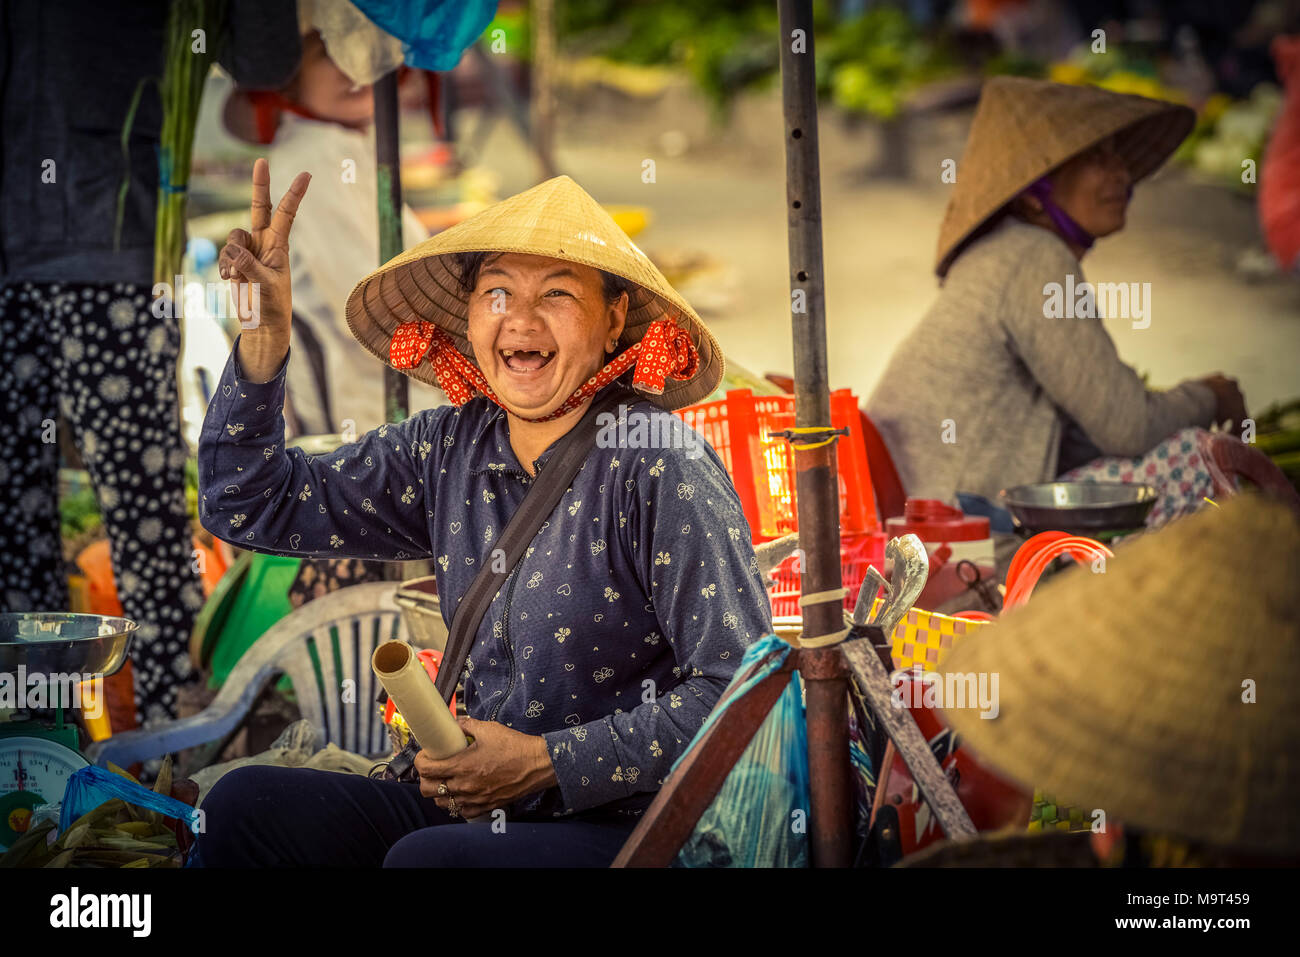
{"type": "Point", "coordinates": [31, 558]}
{"type": "Point", "coordinates": [298, 817]}
{"type": "Point", "coordinates": [512, 844]}
{"type": "Point", "coordinates": [120, 367]}
{"type": "Point", "coordinates": [1174, 468]}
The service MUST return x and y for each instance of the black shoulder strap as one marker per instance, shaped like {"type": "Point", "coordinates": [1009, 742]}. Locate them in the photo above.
{"type": "Point", "coordinates": [550, 485]}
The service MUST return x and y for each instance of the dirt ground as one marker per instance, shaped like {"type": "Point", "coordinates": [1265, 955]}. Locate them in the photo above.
{"type": "Point", "coordinates": [721, 190]}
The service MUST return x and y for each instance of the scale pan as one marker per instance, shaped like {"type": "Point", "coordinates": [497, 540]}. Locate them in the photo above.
{"type": "Point", "coordinates": [60, 642]}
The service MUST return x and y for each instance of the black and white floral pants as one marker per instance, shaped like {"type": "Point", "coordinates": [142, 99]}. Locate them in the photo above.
{"type": "Point", "coordinates": [97, 354]}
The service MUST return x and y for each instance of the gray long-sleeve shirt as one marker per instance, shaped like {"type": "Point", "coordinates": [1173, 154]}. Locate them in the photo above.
{"type": "Point", "coordinates": [976, 398]}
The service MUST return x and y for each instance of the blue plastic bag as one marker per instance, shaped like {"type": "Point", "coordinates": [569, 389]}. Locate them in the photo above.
{"type": "Point", "coordinates": [434, 33]}
{"type": "Point", "coordinates": [91, 786]}
{"type": "Point", "coordinates": [759, 817]}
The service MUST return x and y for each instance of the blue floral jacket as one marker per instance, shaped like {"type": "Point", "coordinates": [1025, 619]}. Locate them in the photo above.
{"type": "Point", "coordinates": [613, 637]}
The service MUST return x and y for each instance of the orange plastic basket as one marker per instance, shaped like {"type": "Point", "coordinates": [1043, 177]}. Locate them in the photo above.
{"type": "Point", "coordinates": [762, 468]}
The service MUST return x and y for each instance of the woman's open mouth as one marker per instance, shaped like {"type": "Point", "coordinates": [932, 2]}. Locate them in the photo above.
{"type": "Point", "coordinates": [525, 360]}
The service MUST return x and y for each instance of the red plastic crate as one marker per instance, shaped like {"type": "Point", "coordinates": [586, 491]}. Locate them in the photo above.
{"type": "Point", "coordinates": [762, 468]}
{"type": "Point", "coordinates": [856, 553]}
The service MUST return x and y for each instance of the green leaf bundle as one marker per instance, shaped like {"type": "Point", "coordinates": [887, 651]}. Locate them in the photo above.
{"type": "Point", "coordinates": [191, 41]}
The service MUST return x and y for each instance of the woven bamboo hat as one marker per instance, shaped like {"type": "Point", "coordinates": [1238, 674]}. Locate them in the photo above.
{"type": "Point", "coordinates": [556, 218]}
{"type": "Point", "coordinates": [1124, 690]}
{"type": "Point", "coordinates": [1023, 129]}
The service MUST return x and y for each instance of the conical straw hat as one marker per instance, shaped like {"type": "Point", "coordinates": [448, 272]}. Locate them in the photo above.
{"type": "Point", "coordinates": [1024, 129]}
{"type": "Point", "coordinates": [555, 218]}
{"type": "Point", "coordinates": [1123, 690]}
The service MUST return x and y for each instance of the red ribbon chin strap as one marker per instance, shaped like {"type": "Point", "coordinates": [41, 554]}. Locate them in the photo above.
{"type": "Point", "coordinates": [664, 352]}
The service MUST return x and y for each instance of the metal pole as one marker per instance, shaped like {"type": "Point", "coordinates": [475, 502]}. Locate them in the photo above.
{"type": "Point", "coordinates": [824, 671]}
{"type": "Point", "coordinates": [543, 86]}
{"type": "Point", "coordinates": [388, 165]}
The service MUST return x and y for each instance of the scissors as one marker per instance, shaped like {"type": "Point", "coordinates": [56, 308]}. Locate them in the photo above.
{"type": "Point", "coordinates": [969, 574]}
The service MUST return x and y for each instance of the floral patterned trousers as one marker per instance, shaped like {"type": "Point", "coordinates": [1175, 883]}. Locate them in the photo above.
{"type": "Point", "coordinates": [96, 354]}
{"type": "Point", "coordinates": [1174, 468]}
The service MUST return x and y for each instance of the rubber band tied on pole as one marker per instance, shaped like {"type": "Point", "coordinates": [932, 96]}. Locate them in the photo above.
{"type": "Point", "coordinates": [835, 595]}
{"type": "Point", "coordinates": [665, 351]}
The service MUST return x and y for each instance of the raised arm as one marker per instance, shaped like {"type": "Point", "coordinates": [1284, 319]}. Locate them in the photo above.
{"type": "Point", "coordinates": [257, 265]}
{"type": "Point", "coordinates": [367, 499]}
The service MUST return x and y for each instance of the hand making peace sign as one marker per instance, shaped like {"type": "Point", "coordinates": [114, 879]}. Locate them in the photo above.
{"type": "Point", "coordinates": [261, 256]}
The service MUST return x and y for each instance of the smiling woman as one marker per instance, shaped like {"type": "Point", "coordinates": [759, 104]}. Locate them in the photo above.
{"type": "Point", "coordinates": [609, 642]}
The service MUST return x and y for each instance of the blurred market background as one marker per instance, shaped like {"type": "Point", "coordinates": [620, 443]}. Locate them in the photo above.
{"type": "Point", "coordinates": [693, 86]}
{"type": "Point", "coordinates": [607, 89]}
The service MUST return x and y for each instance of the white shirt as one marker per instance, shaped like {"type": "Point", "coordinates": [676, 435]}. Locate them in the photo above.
{"type": "Point", "coordinates": [333, 245]}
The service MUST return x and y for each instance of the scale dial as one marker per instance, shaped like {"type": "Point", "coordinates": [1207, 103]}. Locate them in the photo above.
{"type": "Point", "coordinates": [33, 771]}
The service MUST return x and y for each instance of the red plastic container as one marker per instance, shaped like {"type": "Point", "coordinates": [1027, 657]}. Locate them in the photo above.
{"type": "Point", "coordinates": [762, 468]}
{"type": "Point", "coordinates": [934, 521]}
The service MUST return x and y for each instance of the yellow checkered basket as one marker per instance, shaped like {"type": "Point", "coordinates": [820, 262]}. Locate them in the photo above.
{"type": "Point", "coordinates": [922, 639]}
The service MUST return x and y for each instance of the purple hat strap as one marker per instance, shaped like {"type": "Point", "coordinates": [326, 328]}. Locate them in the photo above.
{"type": "Point", "coordinates": [1041, 189]}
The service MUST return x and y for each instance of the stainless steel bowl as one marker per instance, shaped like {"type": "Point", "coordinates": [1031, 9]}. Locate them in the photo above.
{"type": "Point", "coordinates": [1080, 508]}
{"type": "Point", "coordinates": [60, 643]}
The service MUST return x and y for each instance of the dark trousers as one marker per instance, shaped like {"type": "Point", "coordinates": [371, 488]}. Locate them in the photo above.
{"type": "Point", "coordinates": [298, 817]}
{"type": "Point", "coordinates": [95, 353]}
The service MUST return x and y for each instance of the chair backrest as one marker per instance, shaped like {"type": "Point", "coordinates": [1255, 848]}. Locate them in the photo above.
{"type": "Point", "coordinates": [325, 648]}
{"type": "Point", "coordinates": [890, 494]}
{"type": "Point", "coordinates": [1228, 460]}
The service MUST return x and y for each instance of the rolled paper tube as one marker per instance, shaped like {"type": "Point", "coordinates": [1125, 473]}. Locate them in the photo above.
{"type": "Point", "coordinates": [425, 713]}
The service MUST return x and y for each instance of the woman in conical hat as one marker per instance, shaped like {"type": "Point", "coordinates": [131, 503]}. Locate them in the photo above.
{"type": "Point", "coordinates": [1011, 377]}
{"type": "Point", "coordinates": [600, 656]}
{"type": "Point", "coordinates": [415, 312]}
{"type": "Point", "coordinates": [1159, 692]}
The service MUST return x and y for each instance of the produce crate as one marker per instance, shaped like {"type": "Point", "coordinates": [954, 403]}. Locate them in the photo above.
{"type": "Point", "coordinates": [762, 467]}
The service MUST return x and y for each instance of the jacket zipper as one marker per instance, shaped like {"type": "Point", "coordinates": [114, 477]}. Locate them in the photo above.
{"type": "Point", "coordinates": [505, 634]}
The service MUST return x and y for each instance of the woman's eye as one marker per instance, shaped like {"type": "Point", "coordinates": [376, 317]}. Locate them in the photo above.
{"type": "Point", "coordinates": [560, 292]}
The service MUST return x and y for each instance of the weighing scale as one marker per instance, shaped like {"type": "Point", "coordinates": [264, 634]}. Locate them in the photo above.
{"type": "Point", "coordinates": [37, 758]}
{"type": "Point", "coordinates": [1099, 510]}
